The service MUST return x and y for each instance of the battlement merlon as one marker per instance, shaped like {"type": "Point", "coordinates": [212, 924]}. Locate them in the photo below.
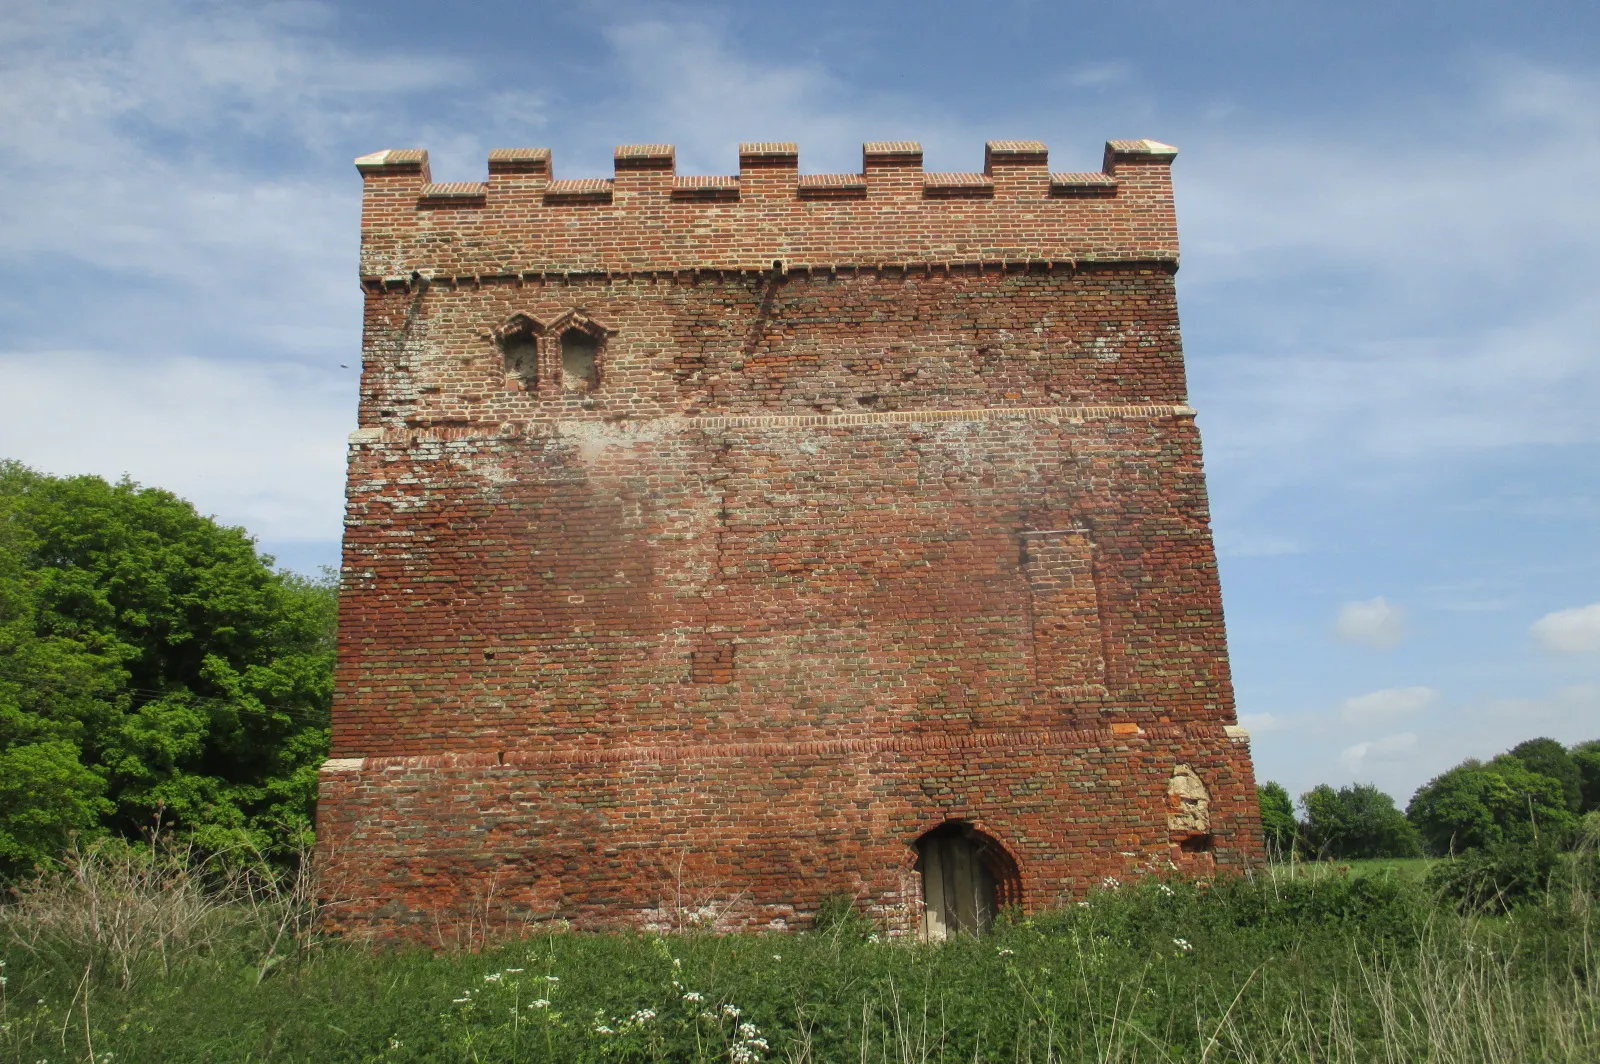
{"type": "Point", "coordinates": [647, 218]}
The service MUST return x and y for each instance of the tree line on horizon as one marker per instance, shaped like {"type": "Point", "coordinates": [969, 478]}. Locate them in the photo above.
{"type": "Point", "coordinates": [1538, 793]}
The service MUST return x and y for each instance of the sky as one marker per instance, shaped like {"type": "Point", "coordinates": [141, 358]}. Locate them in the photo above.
{"type": "Point", "coordinates": [1391, 249]}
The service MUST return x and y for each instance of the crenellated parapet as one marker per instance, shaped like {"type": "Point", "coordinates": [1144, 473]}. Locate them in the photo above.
{"type": "Point", "coordinates": [648, 218]}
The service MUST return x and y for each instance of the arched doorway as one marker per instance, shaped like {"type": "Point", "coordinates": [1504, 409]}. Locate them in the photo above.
{"type": "Point", "coordinates": [967, 877]}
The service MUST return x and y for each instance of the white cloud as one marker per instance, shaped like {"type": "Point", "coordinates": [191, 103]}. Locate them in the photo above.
{"type": "Point", "coordinates": [1399, 763]}
{"type": "Point", "coordinates": [260, 446]}
{"type": "Point", "coordinates": [1099, 75]}
{"type": "Point", "coordinates": [1359, 757]}
{"type": "Point", "coordinates": [1385, 306]}
{"type": "Point", "coordinates": [1574, 631]}
{"type": "Point", "coordinates": [688, 81]}
{"type": "Point", "coordinates": [1373, 623]}
{"type": "Point", "coordinates": [706, 98]}
{"type": "Point", "coordinates": [178, 185]}
{"type": "Point", "coordinates": [1387, 704]}
{"type": "Point", "coordinates": [1260, 723]}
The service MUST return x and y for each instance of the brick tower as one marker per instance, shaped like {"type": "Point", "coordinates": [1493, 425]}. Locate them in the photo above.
{"type": "Point", "coordinates": [718, 544]}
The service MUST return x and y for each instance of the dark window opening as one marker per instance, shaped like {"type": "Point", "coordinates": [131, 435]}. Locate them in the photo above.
{"type": "Point", "coordinates": [967, 877]}
{"type": "Point", "coordinates": [580, 361]}
{"type": "Point", "coordinates": [522, 358]}
{"type": "Point", "coordinates": [1196, 844]}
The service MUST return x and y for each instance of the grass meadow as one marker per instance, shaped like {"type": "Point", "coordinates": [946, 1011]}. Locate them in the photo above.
{"type": "Point", "coordinates": [131, 956]}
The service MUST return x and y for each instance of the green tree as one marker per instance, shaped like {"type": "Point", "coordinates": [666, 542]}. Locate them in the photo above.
{"type": "Point", "coordinates": [1357, 821]}
{"type": "Point", "coordinates": [151, 660]}
{"type": "Point", "coordinates": [1549, 758]}
{"type": "Point", "coordinates": [1278, 824]}
{"type": "Point", "coordinates": [1475, 805]}
{"type": "Point", "coordinates": [1587, 757]}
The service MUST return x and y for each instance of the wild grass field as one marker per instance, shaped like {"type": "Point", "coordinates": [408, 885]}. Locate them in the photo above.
{"type": "Point", "coordinates": [131, 957]}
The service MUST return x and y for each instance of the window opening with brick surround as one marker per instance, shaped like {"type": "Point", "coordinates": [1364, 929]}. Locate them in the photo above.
{"type": "Point", "coordinates": [580, 360]}
{"type": "Point", "coordinates": [967, 877]}
{"type": "Point", "coordinates": [519, 349]}
{"type": "Point", "coordinates": [522, 360]}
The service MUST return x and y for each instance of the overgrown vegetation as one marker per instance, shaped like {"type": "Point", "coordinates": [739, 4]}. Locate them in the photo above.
{"type": "Point", "coordinates": [132, 954]}
{"type": "Point", "coordinates": [152, 664]}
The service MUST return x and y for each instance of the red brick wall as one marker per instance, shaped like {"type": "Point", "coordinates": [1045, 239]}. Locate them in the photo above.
{"type": "Point", "coordinates": [831, 553]}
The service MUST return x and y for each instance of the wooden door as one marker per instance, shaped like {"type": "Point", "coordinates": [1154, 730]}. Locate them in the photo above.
{"type": "Point", "coordinates": [958, 891]}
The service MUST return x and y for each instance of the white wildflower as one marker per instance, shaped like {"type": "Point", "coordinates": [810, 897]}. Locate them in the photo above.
{"type": "Point", "coordinates": [777, 956]}
{"type": "Point", "coordinates": [873, 938]}
{"type": "Point", "coordinates": [460, 1001]}
{"type": "Point", "coordinates": [1007, 952]}
{"type": "Point", "coordinates": [492, 977]}
{"type": "Point", "coordinates": [1183, 944]}
{"type": "Point", "coordinates": [694, 995]}
{"type": "Point", "coordinates": [1163, 888]}
{"type": "Point", "coordinates": [601, 1028]}
{"type": "Point", "coordinates": [542, 1003]}
{"type": "Point", "coordinates": [731, 1010]}
{"type": "Point", "coordinates": [552, 979]}
{"type": "Point", "coordinates": [644, 1016]}
{"type": "Point", "coordinates": [512, 971]}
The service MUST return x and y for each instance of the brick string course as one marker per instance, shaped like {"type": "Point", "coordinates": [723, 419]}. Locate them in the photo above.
{"type": "Point", "coordinates": [885, 509]}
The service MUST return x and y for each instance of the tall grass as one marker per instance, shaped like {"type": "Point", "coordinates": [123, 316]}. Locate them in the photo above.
{"type": "Point", "coordinates": [125, 912]}
{"type": "Point", "coordinates": [152, 955]}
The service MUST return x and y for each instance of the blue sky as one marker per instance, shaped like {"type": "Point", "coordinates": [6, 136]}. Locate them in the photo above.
{"type": "Point", "coordinates": [1391, 249]}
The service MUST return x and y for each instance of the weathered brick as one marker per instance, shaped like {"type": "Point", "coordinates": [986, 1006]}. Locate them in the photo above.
{"type": "Point", "coordinates": [716, 539]}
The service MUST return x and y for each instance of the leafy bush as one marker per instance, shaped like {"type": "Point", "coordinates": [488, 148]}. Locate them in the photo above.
{"type": "Point", "coordinates": [151, 662]}
{"type": "Point", "coordinates": [839, 916]}
{"type": "Point", "coordinates": [1503, 875]}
